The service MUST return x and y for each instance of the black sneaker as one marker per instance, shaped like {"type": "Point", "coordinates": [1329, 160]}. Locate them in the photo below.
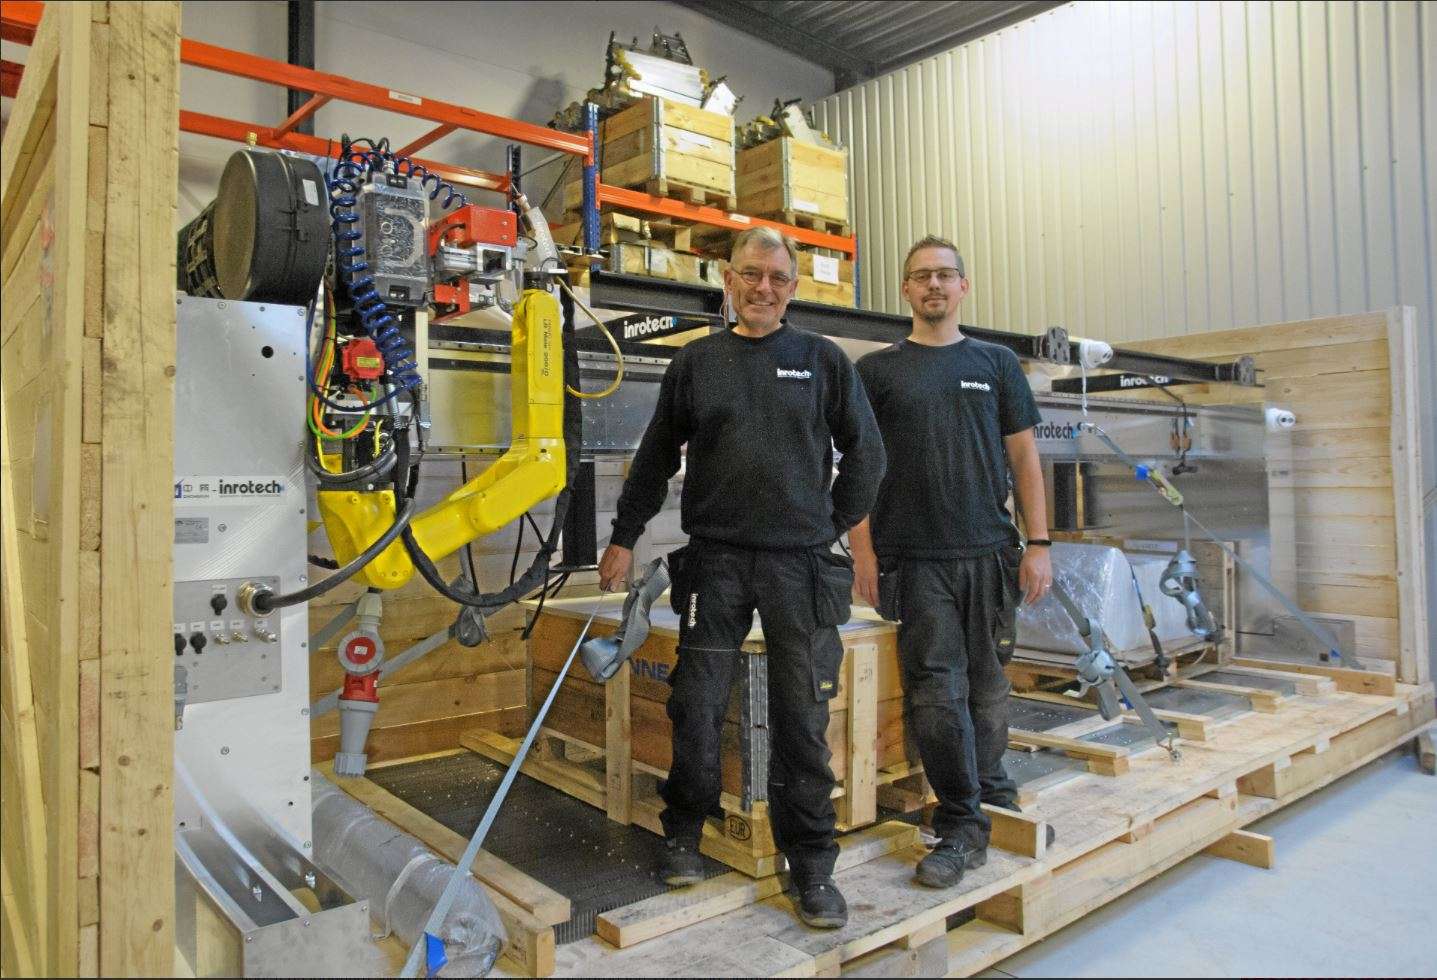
{"type": "Point", "coordinates": [1052, 834]}
{"type": "Point", "coordinates": [820, 903]}
{"type": "Point", "coordinates": [681, 864]}
{"type": "Point", "coordinates": [945, 864]}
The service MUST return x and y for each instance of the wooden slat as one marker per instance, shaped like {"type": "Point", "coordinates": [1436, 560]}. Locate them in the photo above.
{"type": "Point", "coordinates": [1412, 568]}
{"type": "Point", "coordinates": [618, 746]}
{"type": "Point", "coordinates": [860, 800]}
{"type": "Point", "coordinates": [136, 929]}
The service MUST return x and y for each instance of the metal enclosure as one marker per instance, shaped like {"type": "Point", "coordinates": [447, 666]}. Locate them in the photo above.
{"type": "Point", "coordinates": [242, 793]}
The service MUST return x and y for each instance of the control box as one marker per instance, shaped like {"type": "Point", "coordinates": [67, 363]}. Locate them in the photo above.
{"type": "Point", "coordinates": [393, 211]}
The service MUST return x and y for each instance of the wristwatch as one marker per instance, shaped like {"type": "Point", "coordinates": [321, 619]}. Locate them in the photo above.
{"type": "Point", "coordinates": [1040, 542]}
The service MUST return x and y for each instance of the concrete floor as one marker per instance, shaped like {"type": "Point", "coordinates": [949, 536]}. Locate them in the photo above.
{"type": "Point", "coordinates": [1353, 893]}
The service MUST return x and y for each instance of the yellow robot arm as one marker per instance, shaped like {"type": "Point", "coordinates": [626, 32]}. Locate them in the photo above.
{"type": "Point", "coordinates": [532, 471]}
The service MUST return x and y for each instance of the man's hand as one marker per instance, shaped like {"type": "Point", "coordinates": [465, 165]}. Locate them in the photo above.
{"type": "Point", "coordinates": [865, 563]}
{"type": "Point", "coordinates": [614, 567]}
{"type": "Point", "coordinates": [1035, 574]}
{"type": "Point", "coordinates": [865, 574]}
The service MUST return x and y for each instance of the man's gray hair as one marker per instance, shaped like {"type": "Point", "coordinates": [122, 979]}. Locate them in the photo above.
{"type": "Point", "coordinates": [765, 239]}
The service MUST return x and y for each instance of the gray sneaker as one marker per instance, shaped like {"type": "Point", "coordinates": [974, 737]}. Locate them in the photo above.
{"type": "Point", "coordinates": [681, 864]}
{"type": "Point", "coordinates": [945, 864]}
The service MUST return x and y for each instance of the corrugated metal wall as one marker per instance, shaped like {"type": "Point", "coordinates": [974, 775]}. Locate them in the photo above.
{"type": "Point", "coordinates": [1137, 170]}
{"type": "Point", "coordinates": [1142, 170]}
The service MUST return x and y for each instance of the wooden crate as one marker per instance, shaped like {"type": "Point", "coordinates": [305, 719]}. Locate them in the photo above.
{"type": "Point", "coordinates": [668, 149]}
{"type": "Point", "coordinates": [623, 727]}
{"type": "Point", "coordinates": [788, 177]}
{"type": "Point", "coordinates": [87, 350]}
{"type": "Point", "coordinates": [831, 294]}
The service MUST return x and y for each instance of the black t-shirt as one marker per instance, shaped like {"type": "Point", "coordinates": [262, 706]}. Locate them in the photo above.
{"type": "Point", "coordinates": [943, 412]}
{"type": "Point", "coordinates": [761, 418]}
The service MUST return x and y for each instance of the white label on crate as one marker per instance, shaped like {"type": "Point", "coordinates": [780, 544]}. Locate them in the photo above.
{"type": "Point", "coordinates": [743, 218]}
{"type": "Point", "coordinates": [311, 192]}
{"type": "Point", "coordinates": [405, 97]}
{"type": "Point", "coordinates": [801, 205]}
{"type": "Point", "coordinates": [686, 142]}
{"type": "Point", "coordinates": [825, 269]}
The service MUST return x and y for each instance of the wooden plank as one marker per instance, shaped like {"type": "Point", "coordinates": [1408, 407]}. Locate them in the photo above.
{"type": "Point", "coordinates": [1245, 847]}
{"type": "Point", "coordinates": [136, 928]}
{"type": "Point", "coordinates": [450, 697]}
{"type": "Point", "coordinates": [391, 743]}
{"type": "Point", "coordinates": [24, 826]}
{"type": "Point", "coordinates": [1261, 699]}
{"type": "Point", "coordinates": [618, 746]}
{"type": "Point", "coordinates": [1412, 568]}
{"type": "Point", "coordinates": [860, 803]}
{"type": "Point", "coordinates": [1353, 681]}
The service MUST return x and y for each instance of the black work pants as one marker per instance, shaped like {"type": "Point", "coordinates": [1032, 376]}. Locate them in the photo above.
{"type": "Point", "coordinates": [800, 595]}
{"type": "Point", "coordinates": [956, 631]}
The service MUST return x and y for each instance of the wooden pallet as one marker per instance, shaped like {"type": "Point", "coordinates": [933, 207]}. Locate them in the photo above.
{"type": "Point", "coordinates": [1113, 833]}
{"type": "Point", "coordinates": [815, 222]}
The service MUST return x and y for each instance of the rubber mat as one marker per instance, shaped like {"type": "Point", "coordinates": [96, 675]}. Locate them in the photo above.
{"type": "Point", "coordinates": [1239, 679]}
{"type": "Point", "coordinates": [553, 838]}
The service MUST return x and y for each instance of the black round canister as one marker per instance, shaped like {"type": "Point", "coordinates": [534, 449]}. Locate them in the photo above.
{"type": "Point", "coordinates": [265, 236]}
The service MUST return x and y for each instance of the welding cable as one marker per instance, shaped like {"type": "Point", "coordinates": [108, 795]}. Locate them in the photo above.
{"type": "Point", "coordinates": [613, 345]}
{"type": "Point", "coordinates": [266, 601]}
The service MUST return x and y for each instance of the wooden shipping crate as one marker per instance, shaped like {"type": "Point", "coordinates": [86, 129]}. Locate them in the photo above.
{"type": "Point", "coordinates": [785, 176]}
{"type": "Point", "coordinates": [865, 731]}
{"type": "Point", "coordinates": [824, 268]}
{"type": "Point", "coordinates": [831, 294]}
{"type": "Point", "coordinates": [668, 149]}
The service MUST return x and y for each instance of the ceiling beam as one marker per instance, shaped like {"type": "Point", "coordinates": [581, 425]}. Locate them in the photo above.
{"type": "Point", "coordinates": [750, 18]}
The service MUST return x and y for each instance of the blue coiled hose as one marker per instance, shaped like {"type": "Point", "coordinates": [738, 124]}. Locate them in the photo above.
{"type": "Point", "coordinates": [350, 266]}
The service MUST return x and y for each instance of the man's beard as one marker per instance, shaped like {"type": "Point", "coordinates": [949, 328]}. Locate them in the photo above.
{"type": "Point", "coordinates": [932, 319]}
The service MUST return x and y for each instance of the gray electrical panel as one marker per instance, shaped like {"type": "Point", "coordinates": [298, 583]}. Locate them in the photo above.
{"type": "Point", "coordinates": [393, 212]}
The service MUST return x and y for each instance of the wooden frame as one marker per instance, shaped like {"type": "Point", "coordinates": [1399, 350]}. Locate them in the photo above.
{"type": "Point", "coordinates": [90, 171]}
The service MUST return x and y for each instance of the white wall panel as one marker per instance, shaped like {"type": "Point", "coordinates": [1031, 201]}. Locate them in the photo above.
{"type": "Point", "coordinates": [1136, 170]}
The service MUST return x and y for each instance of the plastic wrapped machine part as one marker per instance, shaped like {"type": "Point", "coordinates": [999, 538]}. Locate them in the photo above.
{"type": "Point", "coordinates": [1100, 582]}
{"type": "Point", "coordinates": [402, 879]}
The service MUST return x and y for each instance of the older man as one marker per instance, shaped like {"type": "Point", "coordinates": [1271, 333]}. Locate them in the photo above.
{"type": "Point", "coordinates": [942, 554]}
{"type": "Point", "coordinates": [760, 408]}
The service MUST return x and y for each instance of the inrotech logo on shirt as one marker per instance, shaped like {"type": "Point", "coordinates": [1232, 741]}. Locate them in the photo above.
{"type": "Point", "coordinates": [795, 374]}
{"type": "Point", "coordinates": [978, 385]}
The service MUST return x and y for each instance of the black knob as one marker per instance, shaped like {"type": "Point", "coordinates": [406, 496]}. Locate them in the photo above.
{"type": "Point", "coordinates": [198, 641]}
{"type": "Point", "coordinates": [218, 603]}
{"type": "Point", "coordinates": [179, 644]}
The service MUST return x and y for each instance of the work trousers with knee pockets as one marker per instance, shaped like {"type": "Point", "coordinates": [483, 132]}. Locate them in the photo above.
{"type": "Point", "coordinates": [956, 631]}
{"type": "Point", "coordinates": [801, 595]}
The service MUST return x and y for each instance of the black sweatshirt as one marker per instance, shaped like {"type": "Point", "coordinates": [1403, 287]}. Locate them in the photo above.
{"type": "Point", "coordinates": [761, 418]}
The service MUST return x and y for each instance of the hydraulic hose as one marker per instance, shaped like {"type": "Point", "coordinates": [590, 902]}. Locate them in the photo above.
{"type": "Point", "coordinates": [266, 601]}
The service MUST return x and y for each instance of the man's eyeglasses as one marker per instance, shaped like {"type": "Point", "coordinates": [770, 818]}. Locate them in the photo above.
{"type": "Point", "coordinates": [753, 277]}
{"type": "Point", "coordinates": [946, 276]}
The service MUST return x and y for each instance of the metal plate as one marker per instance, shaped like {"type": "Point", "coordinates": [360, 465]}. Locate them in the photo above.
{"type": "Point", "coordinates": [1214, 704]}
{"type": "Point", "coordinates": [1123, 734]}
{"type": "Point", "coordinates": [565, 843]}
{"type": "Point", "coordinates": [239, 410]}
{"type": "Point", "coordinates": [1040, 716]}
{"type": "Point", "coordinates": [238, 660]}
{"type": "Point", "coordinates": [1239, 679]}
